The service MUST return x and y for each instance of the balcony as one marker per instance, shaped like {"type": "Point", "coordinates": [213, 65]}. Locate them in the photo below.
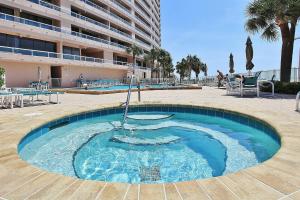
{"type": "Point", "coordinates": [121, 6]}
{"type": "Point", "coordinates": [57, 58]}
{"type": "Point", "coordinates": [100, 24]}
{"type": "Point", "coordinates": [58, 29]}
{"type": "Point", "coordinates": [106, 11]}
{"type": "Point", "coordinates": [57, 8]}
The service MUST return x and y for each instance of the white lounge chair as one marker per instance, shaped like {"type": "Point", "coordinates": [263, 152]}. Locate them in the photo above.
{"type": "Point", "coordinates": [253, 84]}
{"type": "Point", "coordinates": [9, 99]}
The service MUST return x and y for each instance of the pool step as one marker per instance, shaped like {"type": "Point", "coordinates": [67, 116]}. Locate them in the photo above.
{"type": "Point", "coordinates": [150, 174]}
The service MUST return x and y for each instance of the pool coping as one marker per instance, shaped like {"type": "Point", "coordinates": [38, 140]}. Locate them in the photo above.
{"type": "Point", "coordinates": [12, 156]}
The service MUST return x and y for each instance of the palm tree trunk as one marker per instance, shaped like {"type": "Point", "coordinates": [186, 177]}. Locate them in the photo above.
{"type": "Point", "coordinates": [288, 36]}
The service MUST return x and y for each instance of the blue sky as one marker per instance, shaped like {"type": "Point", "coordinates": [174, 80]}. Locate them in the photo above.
{"type": "Point", "coordinates": [212, 30]}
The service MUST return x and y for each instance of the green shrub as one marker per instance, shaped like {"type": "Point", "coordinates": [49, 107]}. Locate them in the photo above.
{"type": "Point", "coordinates": [2, 72]}
{"type": "Point", "coordinates": [283, 88]}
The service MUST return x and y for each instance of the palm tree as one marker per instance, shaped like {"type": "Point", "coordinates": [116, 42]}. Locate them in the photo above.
{"type": "Point", "coordinates": [190, 62]}
{"type": "Point", "coordinates": [182, 69]}
{"type": "Point", "coordinates": [161, 57]}
{"type": "Point", "coordinates": [166, 63]}
{"type": "Point", "coordinates": [134, 51]}
{"type": "Point", "coordinates": [152, 58]}
{"type": "Point", "coordinates": [196, 67]}
{"type": "Point", "coordinates": [167, 66]}
{"type": "Point", "coordinates": [274, 18]}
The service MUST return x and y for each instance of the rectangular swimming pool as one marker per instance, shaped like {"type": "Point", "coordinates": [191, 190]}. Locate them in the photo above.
{"type": "Point", "coordinates": [126, 87]}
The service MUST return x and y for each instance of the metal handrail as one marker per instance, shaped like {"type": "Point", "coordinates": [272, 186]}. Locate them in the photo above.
{"type": "Point", "coordinates": [298, 102]}
{"type": "Point", "coordinates": [128, 100]}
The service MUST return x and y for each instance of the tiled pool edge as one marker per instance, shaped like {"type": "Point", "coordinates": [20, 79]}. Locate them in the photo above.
{"type": "Point", "coordinates": [182, 108]}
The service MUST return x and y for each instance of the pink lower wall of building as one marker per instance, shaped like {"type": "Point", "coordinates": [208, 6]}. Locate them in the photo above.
{"type": "Point", "coordinates": [21, 74]}
{"type": "Point", "coordinates": [70, 74]}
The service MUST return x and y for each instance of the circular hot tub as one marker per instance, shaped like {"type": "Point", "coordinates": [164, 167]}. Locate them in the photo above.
{"type": "Point", "coordinates": [156, 144]}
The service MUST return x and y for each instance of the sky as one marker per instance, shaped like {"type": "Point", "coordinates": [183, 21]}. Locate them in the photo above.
{"type": "Point", "coordinates": [212, 30]}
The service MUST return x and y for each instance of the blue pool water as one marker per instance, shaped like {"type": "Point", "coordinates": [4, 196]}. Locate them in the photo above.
{"type": "Point", "coordinates": [123, 87]}
{"type": "Point", "coordinates": [186, 145]}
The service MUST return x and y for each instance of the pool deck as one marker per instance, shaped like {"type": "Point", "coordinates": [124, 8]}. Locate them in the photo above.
{"type": "Point", "coordinates": [277, 178]}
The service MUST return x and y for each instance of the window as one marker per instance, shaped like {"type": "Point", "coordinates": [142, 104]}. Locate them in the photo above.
{"type": "Point", "coordinates": [11, 41]}
{"type": "Point", "coordinates": [2, 40]}
{"type": "Point", "coordinates": [26, 43]}
{"type": "Point", "coordinates": [49, 46]}
{"type": "Point", "coordinates": [39, 45]}
{"type": "Point", "coordinates": [121, 59]}
{"type": "Point", "coordinates": [36, 18]}
{"type": "Point", "coordinates": [6, 10]}
{"type": "Point", "coordinates": [72, 51]}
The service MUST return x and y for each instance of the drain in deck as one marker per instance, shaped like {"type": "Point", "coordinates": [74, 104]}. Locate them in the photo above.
{"type": "Point", "coordinates": [150, 174]}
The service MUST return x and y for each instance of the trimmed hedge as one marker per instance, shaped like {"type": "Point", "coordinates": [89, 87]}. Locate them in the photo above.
{"type": "Point", "coordinates": [283, 88]}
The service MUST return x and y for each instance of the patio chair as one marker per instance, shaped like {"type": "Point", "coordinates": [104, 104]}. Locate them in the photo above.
{"type": "Point", "coordinates": [298, 102]}
{"type": "Point", "coordinates": [232, 85]}
{"type": "Point", "coordinates": [253, 84]}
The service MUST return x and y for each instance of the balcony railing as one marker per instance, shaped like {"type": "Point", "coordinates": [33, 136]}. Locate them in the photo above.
{"type": "Point", "coordinates": [100, 24]}
{"type": "Point", "coordinates": [121, 6]}
{"type": "Point", "coordinates": [57, 8]}
{"type": "Point", "coordinates": [106, 11]}
{"type": "Point", "coordinates": [144, 23]}
{"type": "Point", "coordinates": [29, 52]}
{"type": "Point", "coordinates": [144, 43]}
{"type": "Point", "coordinates": [46, 4]}
{"type": "Point", "coordinates": [57, 29]}
{"type": "Point", "coordinates": [37, 53]}
{"type": "Point", "coordinates": [142, 32]}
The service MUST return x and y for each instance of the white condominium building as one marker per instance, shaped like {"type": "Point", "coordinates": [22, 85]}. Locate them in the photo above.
{"type": "Point", "coordinates": [58, 40]}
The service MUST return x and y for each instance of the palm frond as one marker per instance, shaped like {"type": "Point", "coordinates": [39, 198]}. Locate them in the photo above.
{"type": "Point", "coordinates": [271, 33]}
{"type": "Point", "coordinates": [251, 26]}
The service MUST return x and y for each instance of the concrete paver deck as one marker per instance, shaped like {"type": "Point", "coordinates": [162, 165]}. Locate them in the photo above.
{"type": "Point", "coordinates": [277, 178]}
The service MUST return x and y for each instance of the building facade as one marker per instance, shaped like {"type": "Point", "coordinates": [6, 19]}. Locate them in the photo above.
{"type": "Point", "coordinates": [58, 40]}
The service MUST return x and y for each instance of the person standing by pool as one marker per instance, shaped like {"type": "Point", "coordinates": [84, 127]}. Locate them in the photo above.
{"type": "Point", "coordinates": [220, 78]}
{"type": "Point", "coordinates": [81, 80]}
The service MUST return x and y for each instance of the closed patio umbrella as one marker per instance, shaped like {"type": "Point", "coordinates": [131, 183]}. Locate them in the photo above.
{"type": "Point", "coordinates": [231, 64]}
{"type": "Point", "coordinates": [39, 74]}
{"type": "Point", "coordinates": [249, 55]}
